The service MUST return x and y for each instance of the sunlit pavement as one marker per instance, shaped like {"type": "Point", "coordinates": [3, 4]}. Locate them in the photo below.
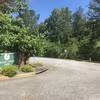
{"type": "Point", "coordinates": [65, 80]}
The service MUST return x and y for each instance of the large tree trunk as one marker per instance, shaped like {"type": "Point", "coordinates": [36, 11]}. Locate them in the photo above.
{"type": "Point", "coordinates": [21, 60]}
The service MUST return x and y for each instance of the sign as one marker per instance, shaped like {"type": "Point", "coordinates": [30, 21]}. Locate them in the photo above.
{"type": "Point", "coordinates": [6, 56]}
{"type": "Point", "coordinates": [7, 59]}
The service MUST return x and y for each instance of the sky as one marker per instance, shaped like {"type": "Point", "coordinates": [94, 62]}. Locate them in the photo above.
{"type": "Point", "coordinates": [45, 7]}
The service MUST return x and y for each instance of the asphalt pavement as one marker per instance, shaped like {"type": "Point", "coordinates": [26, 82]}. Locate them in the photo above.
{"type": "Point", "coordinates": [65, 80]}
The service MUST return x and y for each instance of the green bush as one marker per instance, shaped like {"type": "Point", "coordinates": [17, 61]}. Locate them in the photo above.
{"type": "Point", "coordinates": [0, 70]}
{"type": "Point", "coordinates": [53, 50]}
{"type": "Point", "coordinates": [9, 71]}
{"type": "Point", "coordinates": [26, 68]}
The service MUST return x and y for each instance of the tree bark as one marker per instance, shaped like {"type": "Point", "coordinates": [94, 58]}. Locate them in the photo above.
{"type": "Point", "coordinates": [21, 60]}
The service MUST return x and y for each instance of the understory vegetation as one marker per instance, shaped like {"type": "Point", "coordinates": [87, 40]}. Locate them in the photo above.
{"type": "Point", "coordinates": [26, 68]}
{"type": "Point", "coordinates": [64, 34]}
{"type": "Point", "coordinates": [11, 70]}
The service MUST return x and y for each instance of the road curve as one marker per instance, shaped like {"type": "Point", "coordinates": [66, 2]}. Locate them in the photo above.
{"type": "Point", "coordinates": [65, 80]}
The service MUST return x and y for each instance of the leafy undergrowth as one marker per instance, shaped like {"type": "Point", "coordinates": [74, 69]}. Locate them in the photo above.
{"type": "Point", "coordinates": [23, 71]}
{"type": "Point", "coordinates": [12, 70]}
{"type": "Point", "coordinates": [27, 68]}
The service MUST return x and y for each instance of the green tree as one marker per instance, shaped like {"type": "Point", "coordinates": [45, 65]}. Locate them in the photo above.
{"type": "Point", "coordinates": [15, 36]}
{"type": "Point", "coordinates": [94, 18]}
{"type": "Point", "coordinates": [59, 25]}
{"type": "Point", "coordinates": [96, 50]}
{"type": "Point", "coordinates": [18, 33]}
{"type": "Point", "coordinates": [79, 24]}
{"type": "Point", "coordinates": [13, 6]}
{"type": "Point", "coordinates": [94, 25]}
{"type": "Point", "coordinates": [29, 18]}
{"type": "Point", "coordinates": [82, 33]}
{"type": "Point", "coordinates": [6, 28]}
{"type": "Point", "coordinates": [72, 48]}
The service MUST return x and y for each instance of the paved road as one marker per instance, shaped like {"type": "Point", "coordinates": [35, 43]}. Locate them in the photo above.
{"type": "Point", "coordinates": [66, 80]}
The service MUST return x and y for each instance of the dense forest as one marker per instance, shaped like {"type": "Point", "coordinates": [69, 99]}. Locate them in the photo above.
{"type": "Point", "coordinates": [64, 34]}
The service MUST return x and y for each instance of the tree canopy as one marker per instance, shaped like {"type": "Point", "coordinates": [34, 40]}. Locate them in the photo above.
{"type": "Point", "coordinates": [64, 34]}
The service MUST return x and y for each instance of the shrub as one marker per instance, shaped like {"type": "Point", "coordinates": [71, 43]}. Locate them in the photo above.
{"type": "Point", "coordinates": [9, 71]}
{"type": "Point", "coordinates": [53, 50]}
{"type": "Point", "coordinates": [26, 68]}
{"type": "Point", "coordinates": [0, 70]}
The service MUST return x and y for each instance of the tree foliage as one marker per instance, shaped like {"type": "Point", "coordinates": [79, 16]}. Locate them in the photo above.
{"type": "Point", "coordinates": [15, 32]}
{"type": "Point", "coordinates": [59, 25]}
{"type": "Point", "coordinates": [62, 35]}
